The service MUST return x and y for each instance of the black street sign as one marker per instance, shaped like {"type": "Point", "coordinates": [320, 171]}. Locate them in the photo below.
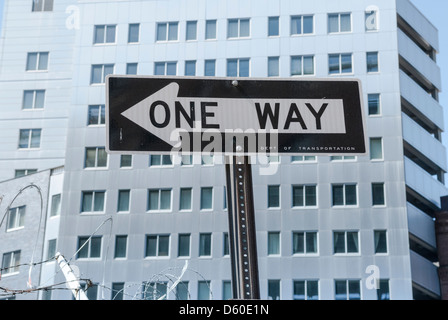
{"type": "Point", "coordinates": [163, 115]}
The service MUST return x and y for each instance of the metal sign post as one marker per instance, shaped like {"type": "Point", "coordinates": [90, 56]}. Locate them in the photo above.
{"type": "Point", "coordinates": [242, 231]}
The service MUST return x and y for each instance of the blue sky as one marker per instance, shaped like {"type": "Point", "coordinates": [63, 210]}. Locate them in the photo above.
{"type": "Point", "coordinates": [435, 11]}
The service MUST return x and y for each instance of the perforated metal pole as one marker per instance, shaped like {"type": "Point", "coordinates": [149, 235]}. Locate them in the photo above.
{"type": "Point", "coordinates": [242, 232]}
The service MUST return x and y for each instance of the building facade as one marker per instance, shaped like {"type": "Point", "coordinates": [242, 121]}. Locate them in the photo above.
{"type": "Point", "coordinates": [327, 227]}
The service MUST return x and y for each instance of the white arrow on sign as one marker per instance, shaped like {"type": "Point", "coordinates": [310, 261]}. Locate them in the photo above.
{"type": "Point", "coordinates": [164, 112]}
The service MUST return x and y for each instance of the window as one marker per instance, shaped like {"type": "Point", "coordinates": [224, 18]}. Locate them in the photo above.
{"type": "Point", "coordinates": [131, 68]}
{"type": "Point", "coordinates": [185, 199]}
{"type": "Point", "coordinates": [345, 242]}
{"type": "Point", "coordinates": [37, 61]}
{"type": "Point", "coordinates": [11, 262]}
{"type": "Point", "coordinates": [210, 68]}
{"type": "Point", "coordinates": [207, 160]}
{"type": "Point", "coordinates": [123, 200]}
{"type": "Point", "coordinates": [206, 198]}
{"type": "Point", "coordinates": [29, 138]}
{"type": "Point", "coordinates": [344, 195]}
{"type": "Point", "coordinates": [304, 242]}
{"type": "Point", "coordinates": [96, 115]}
{"type": "Point", "coordinates": [117, 292]}
{"type": "Point", "coordinates": [16, 218]}
{"type": "Point", "coordinates": [133, 33]}
{"type": "Point", "coordinates": [380, 239]}
{"type": "Point", "coordinates": [160, 160]}
{"type": "Point", "coordinates": [273, 196]}
{"type": "Point", "coordinates": [93, 201]}
{"type": "Point", "coordinates": [273, 243]}
{"type": "Point", "coordinates": [154, 290]}
{"type": "Point", "coordinates": [99, 73]}
{"type": "Point", "coordinates": [304, 196]}
{"type": "Point", "coordinates": [91, 291]}
{"type": "Point", "coordinates": [226, 244]}
{"type": "Point", "coordinates": [373, 101]}
{"type": "Point", "coordinates": [184, 245]}
{"type": "Point", "coordinates": [104, 34]}
{"type": "Point", "coordinates": [165, 68]}
{"type": "Point", "coordinates": [371, 18]}
{"type": "Point", "coordinates": [347, 289]}
{"type": "Point", "coordinates": [303, 158]}
{"type": "Point", "coordinates": [238, 28]}
{"type": "Point", "coordinates": [24, 172]}
{"type": "Point", "coordinates": [273, 289]}
{"type": "Point", "coordinates": [227, 290]}
{"type": "Point", "coordinates": [42, 5]}
{"type": "Point", "coordinates": [159, 199]}
{"type": "Point", "coordinates": [302, 25]}
{"type": "Point", "coordinates": [372, 61]}
{"type": "Point", "coordinates": [51, 249]}
{"type": "Point", "coordinates": [120, 246]}
{"type": "Point", "coordinates": [305, 290]}
{"type": "Point", "coordinates": [182, 292]}
{"type": "Point", "coordinates": [55, 205]}
{"type": "Point", "coordinates": [339, 22]}
{"type": "Point", "coordinates": [340, 63]}
{"type": "Point", "coordinates": [96, 157]}
{"type": "Point", "coordinates": [378, 194]}
{"type": "Point", "coordinates": [157, 246]}
{"type": "Point", "coordinates": [186, 160]}
{"type": "Point", "coordinates": [302, 65]}
{"type": "Point", "coordinates": [89, 248]}
{"type": "Point", "coordinates": [191, 33]}
{"type": "Point", "coordinates": [342, 158]}
{"type": "Point", "coordinates": [238, 67]}
{"type": "Point", "coordinates": [33, 99]}
{"type": "Point", "coordinates": [190, 68]}
{"type": "Point", "coordinates": [210, 29]}
{"type": "Point", "coordinates": [273, 66]}
{"type": "Point", "coordinates": [376, 149]}
{"type": "Point", "coordinates": [273, 26]}
{"type": "Point", "coordinates": [205, 244]}
{"type": "Point", "coordinates": [125, 161]}
{"type": "Point", "coordinates": [383, 290]}
{"type": "Point", "coordinates": [167, 31]}
{"type": "Point", "coordinates": [204, 292]}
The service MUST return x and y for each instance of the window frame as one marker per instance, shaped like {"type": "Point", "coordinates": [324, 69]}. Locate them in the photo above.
{"type": "Point", "coordinates": [101, 112]}
{"type": "Point", "coordinates": [14, 263]}
{"type": "Point", "coordinates": [306, 283]}
{"type": "Point", "coordinates": [104, 41]}
{"type": "Point", "coordinates": [103, 72]}
{"type": "Point", "coordinates": [38, 60]}
{"type": "Point", "coordinates": [340, 64]}
{"type": "Point", "coordinates": [30, 138]}
{"type": "Point", "coordinates": [157, 248]}
{"type": "Point", "coordinates": [344, 195]}
{"type": "Point", "coordinates": [346, 253]}
{"type": "Point", "coordinates": [160, 190]}
{"type": "Point", "coordinates": [238, 36]}
{"type": "Point", "coordinates": [302, 25]}
{"type": "Point", "coordinates": [96, 160]}
{"type": "Point", "coordinates": [19, 218]}
{"type": "Point", "coordinates": [35, 93]}
{"type": "Point", "coordinates": [130, 26]}
{"type": "Point", "coordinates": [92, 204]}
{"type": "Point", "coordinates": [339, 14]}
{"type": "Point", "coordinates": [168, 25]}
{"type": "Point", "coordinates": [305, 187]}
{"type": "Point", "coordinates": [120, 191]}
{"type": "Point", "coordinates": [89, 247]}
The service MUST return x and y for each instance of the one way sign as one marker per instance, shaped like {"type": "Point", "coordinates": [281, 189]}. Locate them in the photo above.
{"type": "Point", "coordinates": [161, 115]}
